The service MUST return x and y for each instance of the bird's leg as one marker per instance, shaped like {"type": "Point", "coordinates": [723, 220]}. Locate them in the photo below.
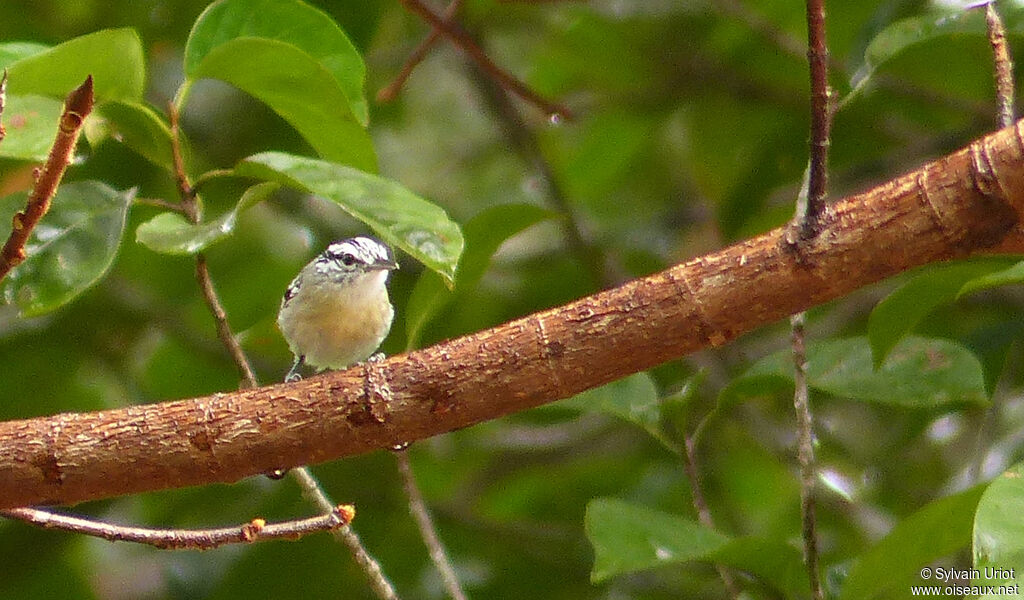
{"type": "Point", "coordinates": [293, 374]}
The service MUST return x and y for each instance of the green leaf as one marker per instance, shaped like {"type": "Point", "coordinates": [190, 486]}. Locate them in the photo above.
{"type": "Point", "coordinates": [170, 233]}
{"type": "Point", "coordinates": [31, 123]}
{"type": "Point", "coordinates": [484, 234]}
{"type": "Point", "coordinates": [998, 529]}
{"type": "Point", "coordinates": [397, 215]}
{"type": "Point", "coordinates": [113, 57]}
{"type": "Point", "coordinates": [629, 538]}
{"type": "Point", "coordinates": [299, 89]}
{"type": "Point", "coordinates": [899, 312]}
{"type": "Point", "coordinates": [70, 249]}
{"type": "Point", "coordinates": [920, 373]}
{"type": "Point", "coordinates": [290, 21]}
{"type": "Point", "coordinates": [902, 35]}
{"type": "Point", "coordinates": [773, 561]}
{"type": "Point", "coordinates": [137, 126]}
{"type": "Point", "coordinates": [1009, 276]}
{"type": "Point", "coordinates": [14, 51]}
{"type": "Point", "coordinates": [633, 399]}
{"type": "Point", "coordinates": [938, 529]}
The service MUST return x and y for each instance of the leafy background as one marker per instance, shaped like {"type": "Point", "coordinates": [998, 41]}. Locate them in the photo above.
{"type": "Point", "coordinates": [691, 132]}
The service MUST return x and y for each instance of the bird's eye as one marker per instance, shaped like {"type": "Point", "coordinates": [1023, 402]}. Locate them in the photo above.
{"type": "Point", "coordinates": [348, 260]}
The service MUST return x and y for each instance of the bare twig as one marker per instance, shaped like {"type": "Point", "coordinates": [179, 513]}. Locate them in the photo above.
{"type": "Point", "coordinates": [805, 453]}
{"type": "Point", "coordinates": [821, 116]}
{"type": "Point", "coordinates": [190, 207]}
{"type": "Point", "coordinates": [1003, 65]}
{"type": "Point", "coordinates": [389, 93]}
{"type": "Point", "coordinates": [525, 142]}
{"type": "Point", "coordinates": [700, 504]}
{"type": "Point", "coordinates": [256, 530]}
{"type": "Point", "coordinates": [418, 509]}
{"type": "Point", "coordinates": [77, 107]}
{"type": "Point", "coordinates": [809, 213]}
{"type": "Point", "coordinates": [370, 567]}
{"type": "Point", "coordinates": [465, 42]}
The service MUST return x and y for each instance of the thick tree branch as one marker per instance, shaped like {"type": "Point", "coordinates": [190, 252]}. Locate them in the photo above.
{"type": "Point", "coordinates": [970, 201]}
{"type": "Point", "coordinates": [77, 107]}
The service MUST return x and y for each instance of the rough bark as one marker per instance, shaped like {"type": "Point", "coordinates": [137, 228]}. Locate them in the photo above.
{"type": "Point", "coordinates": [971, 201]}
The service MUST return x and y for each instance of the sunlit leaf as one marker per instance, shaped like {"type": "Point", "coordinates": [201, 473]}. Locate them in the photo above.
{"type": "Point", "coordinates": [920, 372]}
{"type": "Point", "coordinates": [899, 312]}
{"type": "Point", "coordinates": [484, 234]}
{"type": "Point", "coordinates": [420, 228]}
{"type": "Point", "coordinates": [299, 89]}
{"type": "Point", "coordinates": [938, 529]}
{"type": "Point", "coordinates": [71, 248]}
{"type": "Point", "coordinates": [170, 233]}
{"type": "Point", "coordinates": [113, 57]}
{"type": "Point", "coordinates": [290, 21]}
{"type": "Point", "coordinates": [31, 123]}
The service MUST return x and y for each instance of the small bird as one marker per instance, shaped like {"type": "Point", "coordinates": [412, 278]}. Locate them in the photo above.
{"type": "Point", "coordinates": [336, 311]}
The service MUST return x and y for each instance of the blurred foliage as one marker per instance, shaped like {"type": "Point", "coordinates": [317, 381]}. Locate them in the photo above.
{"type": "Point", "coordinates": [690, 133]}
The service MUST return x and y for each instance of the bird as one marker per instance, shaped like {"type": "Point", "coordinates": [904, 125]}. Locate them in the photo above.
{"type": "Point", "coordinates": [336, 312]}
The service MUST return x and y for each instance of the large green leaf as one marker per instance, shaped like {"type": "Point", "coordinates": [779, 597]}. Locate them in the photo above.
{"type": "Point", "coordinates": [899, 312]}
{"type": "Point", "coordinates": [170, 233]}
{"type": "Point", "coordinates": [939, 529]}
{"type": "Point", "coordinates": [629, 538]}
{"type": "Point", "coordinates": [137, 126]}
{"type": "Point", "coordinates": [484, 234]}
{"type": "Point", "coordinates": [290, 21]}
{"type": "Point", "coordinates": [31, 123]}
{"type": "Point", "coordinates": [113, 57]}
{"type": "Point", "coordinates": [70, 249]}
{"type": "Point", "coordinates": [920, 372]}
{"type": "Point", "coordinates": [298, 88]}
{"type": "Point", "coordinates": [998, 529]}
{"type": "Point", "coordinates": [420, 228]}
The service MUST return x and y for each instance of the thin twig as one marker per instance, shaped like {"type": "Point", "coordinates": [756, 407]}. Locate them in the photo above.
{"type": "Point", "coordinates": [460, 38]}
{"type": "Point", "coordinates": [256, 530]}
{"type": "Point", "coordinates": [821, 116]}
{"type": "Point", "coordinates": [190, 207]}
{"type": "Point", "coordinates": [369, 565]}
{"type": "Point", "coordinates": [1003, 65]}
{"type": "Point", "coordinates": [418, 509]}
{"type": "Point", "coordinates": [805, 453]}
{"type": "Point", "coordinates": [390, 92]}
{"type": "Point", "coordinates": [525, 142]}
{"type": "Point", "coordinates": [3, 101]}
{"type": "Point", "coordinates": [700, 504]}
{"type": "Point", "coordinates": [77, 107]}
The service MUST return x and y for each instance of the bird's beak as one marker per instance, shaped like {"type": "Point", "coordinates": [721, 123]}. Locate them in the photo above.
{"type": "Point", "coordinates": [385, 266]}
